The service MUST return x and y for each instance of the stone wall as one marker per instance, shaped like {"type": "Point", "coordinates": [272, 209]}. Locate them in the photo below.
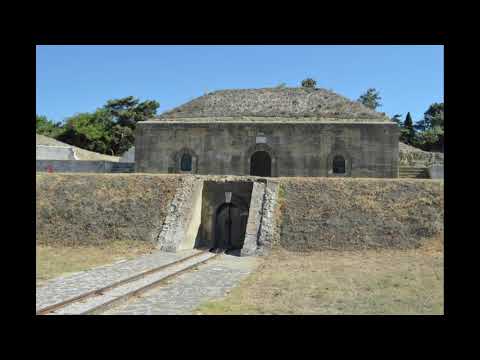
{"type": "Point", "coordinates": [269, 230]}
{"type": "Point", "coordinates": [300, 214]}
{"type": "Point", "coordinates": [296, 149]}
{"type": "Point", "coordinates": [255, 212]}
{"type": "Point", "coordinates": [84, 166]}
{"type": "Point", "coordinates": [89, 209]}
{"type": "Point", "coordinates": [46, 152]}
{"type": "Point", "coordinates": [129, 155]}
{"type": "Point", "coordinates": [412, 156]}
{"type": "Point", "coordinates": [180, 229]}
{"type": "Point", "coordinates": [318, 214]}
{"type": "Point", "coordinates": [436, 171]}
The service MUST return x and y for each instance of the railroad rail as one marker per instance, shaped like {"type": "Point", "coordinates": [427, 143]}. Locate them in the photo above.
{"type": "Point", "coordinates": [106, 289]}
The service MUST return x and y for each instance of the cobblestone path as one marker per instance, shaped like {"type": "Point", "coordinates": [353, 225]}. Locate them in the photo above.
{"type": "Point", "coordinates": [182, 294]}
{"type": "Point", "coordinates": [64, 288]}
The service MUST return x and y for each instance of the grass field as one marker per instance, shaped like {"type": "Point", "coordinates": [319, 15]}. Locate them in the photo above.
{"type": "Point", "coordinates": [54, 261]}
{"type": "Point", "coordinates": [349, 282]}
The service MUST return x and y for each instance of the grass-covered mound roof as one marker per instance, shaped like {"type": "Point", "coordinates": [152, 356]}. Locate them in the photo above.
{"type": "Point", "coordinates": [274, 102]}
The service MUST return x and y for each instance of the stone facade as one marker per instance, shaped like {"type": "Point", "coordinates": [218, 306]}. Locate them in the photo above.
{"type": "Point", "coordinates": [270, 132]}
{"type": "Point", "coordinates": [296, 148]}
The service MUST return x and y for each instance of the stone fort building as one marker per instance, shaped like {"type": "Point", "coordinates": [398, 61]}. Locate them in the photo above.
{"type": "Point", "coordinates": [270, 132]}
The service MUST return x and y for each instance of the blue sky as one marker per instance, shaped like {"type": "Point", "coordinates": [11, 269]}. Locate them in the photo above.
{"type": "Point", "coordinates": [73, 79]}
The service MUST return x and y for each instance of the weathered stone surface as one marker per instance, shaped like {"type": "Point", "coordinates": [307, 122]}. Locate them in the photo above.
{"type": "Point", "coordinates": [301, 130]}
{"type": "Point", "coordinates": [79, 154]}
{"type": "Point", "coordinates": [295, 149]}
{"type": "Point", "coordinates": [412, 156]}
{"type": "Point", "coordinates": [129, 155]}
{"type": "Point", "coordinates": [48, 152]}
{"type": "Point", "coordinates": [268, 230]}
{"type": "Point", "coordinates": [86, 209]}
{"type": "Point", "coordinates": [184, 210]}
{"type": "Point", "coordinates": [83, 166]}
{"type": "Point", "coordinates": [436, 171]}
{"type": "Point", "coordinates": [319, 214]}
{"type": "Point", "coordinates": [254, 220]}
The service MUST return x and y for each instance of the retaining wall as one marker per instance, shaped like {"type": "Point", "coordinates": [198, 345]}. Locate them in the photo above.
{"type": "Point", "coordinates": [299, 214]}
{"type": "Point", "coordinates": [179, 231]}
{"type": "Point", "coordinates": [85, 166]}
{"type": "Point", "coordinates": [317, 214]}
{"type": "Point", "coordinates": [87, 209]}
{"type": "Point", "coordinates": [436, 171]}
{"type": "Point", "coordinates": [47, 152]}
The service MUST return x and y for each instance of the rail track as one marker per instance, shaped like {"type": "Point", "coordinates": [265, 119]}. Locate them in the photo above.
{"type": "Point", "coordinates": [106, 291]}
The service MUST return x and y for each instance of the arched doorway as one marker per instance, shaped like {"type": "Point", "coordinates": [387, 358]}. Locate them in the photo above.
{"type": "Point", "coordinates": [186, 162]}
{"type": "Point", "coordinates": [230, 227]}
{"type": "Point", "coordinates": [261, 164]}
{"type": "Point", "coordinates": [338, 165]}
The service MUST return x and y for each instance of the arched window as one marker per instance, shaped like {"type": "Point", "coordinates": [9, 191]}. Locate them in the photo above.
{"type": "Point", "coordinates": [186, 162]}
{"type": "Point", "coordinates": [338, 165]}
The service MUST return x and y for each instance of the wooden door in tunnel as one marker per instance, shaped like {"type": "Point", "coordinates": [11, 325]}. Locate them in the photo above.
{"type": "Point", "coordinates": [230, 227]}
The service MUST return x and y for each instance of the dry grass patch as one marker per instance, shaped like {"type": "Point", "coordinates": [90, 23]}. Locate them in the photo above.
{"type": "Point", "coordinates": [54, 261]}
{"type": "Point", "coordinates": [350, 282]}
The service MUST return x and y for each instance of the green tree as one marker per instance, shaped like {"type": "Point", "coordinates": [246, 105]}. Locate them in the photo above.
{"type": "Point", "coordinates": [431, 139]}
{"type": "Point", "coordinates": [371, 99]}
{"type": "Point", "coordinates": [433, 117]}
{"type": "Point", "coordinates": [110, 129]}
{"type": "Point", "coordinates": [431, 128]}
{"type": "Point", "coordinates": [309, 83]}
{"type": "Point", "coordinates": [129, 110]}
{"type": "Point", "coordinates": [47, 127]}
{"type": "Point", "coordinates": [398, 119]}
{"type": "Point", "coordinates": [408, 131]}
{"type": "Point", "coordinates": [90, 131]}
{"type": "Point", "coordinates": [122, 138]}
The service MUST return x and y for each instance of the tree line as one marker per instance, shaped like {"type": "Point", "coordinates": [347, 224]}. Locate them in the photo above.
{"type": "Point", "coordinates": [426, 134]}
{"type": "Point", "coordinates": [109, 130]}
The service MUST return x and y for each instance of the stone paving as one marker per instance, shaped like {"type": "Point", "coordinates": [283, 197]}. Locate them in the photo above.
{"type": "Point", "coordinates": [64, 288]}
{"type": "Point", "coordinates": [99, 303]}
{"type": "Point", "coordinates": [182, 294]}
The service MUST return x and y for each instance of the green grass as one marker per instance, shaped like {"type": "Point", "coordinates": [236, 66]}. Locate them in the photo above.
{"type": "Point", "coordinates": [54, 261]}
{"type": "Point", "coordinates": [329, 282]}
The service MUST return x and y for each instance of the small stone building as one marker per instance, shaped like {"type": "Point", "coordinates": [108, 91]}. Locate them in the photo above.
{"type": "Point", "coordinates": [270, 132]}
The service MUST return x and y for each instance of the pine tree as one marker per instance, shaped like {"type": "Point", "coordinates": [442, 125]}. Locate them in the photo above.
{"type": "Point", "coordinates": [371, 99]}
{"type": "Point", "coordinates": [409, 130]}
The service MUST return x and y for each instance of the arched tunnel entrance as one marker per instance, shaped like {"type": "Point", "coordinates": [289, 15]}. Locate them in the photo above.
{"type": "Point", "coordinates": [230, 227]}
{"type": "Point", "coordinates": [224, 217]}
